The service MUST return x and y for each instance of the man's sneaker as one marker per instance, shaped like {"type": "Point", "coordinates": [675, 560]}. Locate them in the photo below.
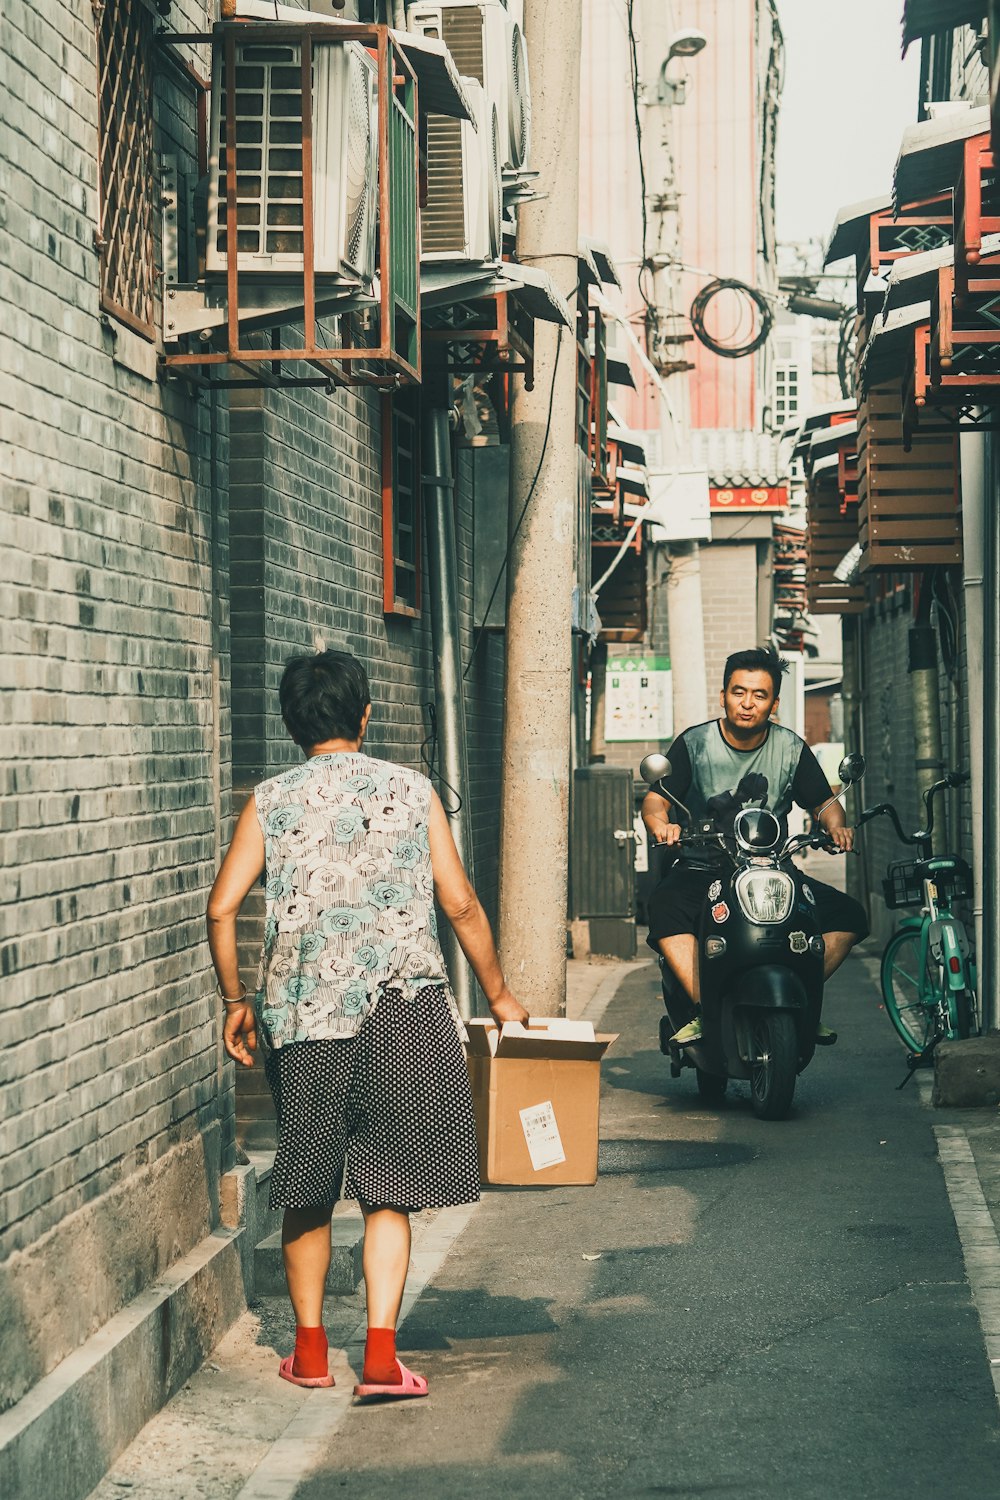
{"type": "Point", "coordinates": [689, 1033]}
{"type": "Point", "coordinates": [824, 1036]}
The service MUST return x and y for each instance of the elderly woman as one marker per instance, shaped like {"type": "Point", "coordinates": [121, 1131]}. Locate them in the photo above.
{"type": "Point", "coordinates": [362, 1040]}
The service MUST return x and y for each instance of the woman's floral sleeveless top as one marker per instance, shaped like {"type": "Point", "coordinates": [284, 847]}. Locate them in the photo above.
{"type": "Point", "coordinates": [350, 895]}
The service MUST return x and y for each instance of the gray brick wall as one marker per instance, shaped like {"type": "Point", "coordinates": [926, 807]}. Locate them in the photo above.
{"type": "Point", "coordinates": [115, 715]}
{"type": "Point", "coordinates": [121, 756]}
{"type": "Point", "coordinates": [889, 743]}
{"type": "Point", "coordinates": [729, 603]}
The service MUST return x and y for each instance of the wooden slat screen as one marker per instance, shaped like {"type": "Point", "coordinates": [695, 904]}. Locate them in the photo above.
{"type": "Point", "coordinates": [909, 500]}
{"type": "Point", "coordinates": [832, 533]}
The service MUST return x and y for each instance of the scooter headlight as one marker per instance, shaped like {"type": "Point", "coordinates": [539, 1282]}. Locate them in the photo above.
{"type": "Point", "coordinates": [765, 896]}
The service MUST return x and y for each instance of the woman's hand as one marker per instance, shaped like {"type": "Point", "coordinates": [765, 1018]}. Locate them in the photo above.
{"type": "Point", "coordinates": [239, 1035]}
{"type": "Point", "coordinates": [506, 1008]}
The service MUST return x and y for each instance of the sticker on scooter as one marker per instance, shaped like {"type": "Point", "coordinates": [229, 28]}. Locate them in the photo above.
{"type": "Point", "coordinates": [798, 942]}
{"type": "Point", "coordinates": [720, 912]}
{"type": "Point", "coordinates": [807, 891]}
{"type": "Point", "coordinates": [715, 890]}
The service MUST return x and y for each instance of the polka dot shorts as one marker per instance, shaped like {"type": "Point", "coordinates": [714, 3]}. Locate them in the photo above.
{"type": "Point", "coordinates": [384, 1116]}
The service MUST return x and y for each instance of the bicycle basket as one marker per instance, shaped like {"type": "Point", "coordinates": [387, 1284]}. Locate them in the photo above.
{"type": "Point", "coordinates": [902, 885]}
{"type": "Point", "coordinates": [904, 882]}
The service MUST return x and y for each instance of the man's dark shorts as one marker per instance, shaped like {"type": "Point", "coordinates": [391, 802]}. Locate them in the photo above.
{"type": "Point", "coordinates": [676, 905]}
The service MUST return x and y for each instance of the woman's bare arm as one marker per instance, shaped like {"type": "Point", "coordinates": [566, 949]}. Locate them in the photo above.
{"type": "Point", "coordinates": [464, 911]}
{"type": "Point", "coordinates": [241, 868]}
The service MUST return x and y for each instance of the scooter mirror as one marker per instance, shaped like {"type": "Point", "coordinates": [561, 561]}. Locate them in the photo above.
{"type": "Point", "coordinates": [653, 768]}
{"type": "Point", "coordinates": [852, 768]}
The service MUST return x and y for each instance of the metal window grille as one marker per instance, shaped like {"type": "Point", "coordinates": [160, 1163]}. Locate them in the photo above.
{"type": "Point", "coordinates": [786, 393]}
{"type": "Point", "coordinates": [125, 160]}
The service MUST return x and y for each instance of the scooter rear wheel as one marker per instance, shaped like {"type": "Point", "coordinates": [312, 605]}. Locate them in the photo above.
{"type": "Point", "coordinates": [711, 1087]}
{"type": "Point", "coordinates": [773, 1069]}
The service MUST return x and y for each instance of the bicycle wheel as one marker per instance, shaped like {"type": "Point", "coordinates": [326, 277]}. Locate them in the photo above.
{"type": "Point", "coordinates": [910, 989]}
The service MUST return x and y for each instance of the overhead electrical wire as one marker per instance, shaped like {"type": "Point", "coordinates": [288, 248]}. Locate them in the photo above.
{"type": "Point", "coordinates": [637, 112]}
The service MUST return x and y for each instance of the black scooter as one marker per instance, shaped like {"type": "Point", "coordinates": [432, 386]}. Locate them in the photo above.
{"type": "Point", "coordinates": [760, 957]}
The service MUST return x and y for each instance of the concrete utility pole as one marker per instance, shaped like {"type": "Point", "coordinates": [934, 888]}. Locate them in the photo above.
{"type": "Point", "coordinates": [534, 848]}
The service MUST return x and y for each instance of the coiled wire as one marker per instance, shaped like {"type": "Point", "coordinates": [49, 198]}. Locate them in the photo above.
{"type": "Point", "coordinates": [758, 306]}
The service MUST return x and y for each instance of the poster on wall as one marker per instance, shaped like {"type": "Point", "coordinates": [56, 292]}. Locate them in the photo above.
{"type": "Point", "coordinates": [638, 702]}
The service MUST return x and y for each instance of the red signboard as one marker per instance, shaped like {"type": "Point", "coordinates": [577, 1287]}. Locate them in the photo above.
{"type": "Point", "coordinates": [767, 497]}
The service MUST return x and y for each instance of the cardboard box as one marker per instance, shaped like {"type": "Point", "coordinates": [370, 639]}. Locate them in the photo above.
{"type": "Point", "coordinates": [536, 1092]}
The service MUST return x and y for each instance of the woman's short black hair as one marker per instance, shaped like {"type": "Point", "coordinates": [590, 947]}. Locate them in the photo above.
{"type": "Point", "coordinates": [757, 659]}
{"type": "Point", "coordinates": [323, 697]}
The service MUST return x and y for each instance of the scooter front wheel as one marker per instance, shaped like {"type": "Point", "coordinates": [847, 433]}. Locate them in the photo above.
{"type": "Point", "coordinates": [774, 1063]}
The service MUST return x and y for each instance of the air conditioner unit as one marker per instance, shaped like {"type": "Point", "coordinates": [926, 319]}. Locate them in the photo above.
{"type": "Point", "coordinates": [462, 219]}
{"type": "Point", "coordinates": [269, 201]}
{"type": "Point", "coordinates": [487, 44]}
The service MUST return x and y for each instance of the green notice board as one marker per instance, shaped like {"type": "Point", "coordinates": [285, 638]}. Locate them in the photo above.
{"type": "Point", "coordinates": [638, 701]}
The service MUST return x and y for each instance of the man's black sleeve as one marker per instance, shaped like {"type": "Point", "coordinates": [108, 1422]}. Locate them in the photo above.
{"type": "Point", "coordinates": [809, 786]}
{"type": "Point", "coordinates": [678, 783]}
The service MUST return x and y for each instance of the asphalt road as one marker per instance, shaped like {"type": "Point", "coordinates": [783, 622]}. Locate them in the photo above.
{"type": "Point", "coordinates": [777, 1310]}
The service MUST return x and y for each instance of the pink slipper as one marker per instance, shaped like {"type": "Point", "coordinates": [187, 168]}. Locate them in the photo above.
{"type": "Point", "coordinates": [311, 1381]}
{"type": "Point", "coordinates": [411, 1385]}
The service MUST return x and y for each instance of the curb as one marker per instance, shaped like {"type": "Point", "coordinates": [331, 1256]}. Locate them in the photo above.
{"type": "Point", "coordinates": [66, 1432]}
{"type": "Point", "coordinates": [606, 991]}
{"type": "Point", "coordinates": [977, 1235]}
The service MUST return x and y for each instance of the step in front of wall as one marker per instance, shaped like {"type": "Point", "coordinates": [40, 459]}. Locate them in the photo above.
{"type": "Point", "coordinates": [346, 1235]}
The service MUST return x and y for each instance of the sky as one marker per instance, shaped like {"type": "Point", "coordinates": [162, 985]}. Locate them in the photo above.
{"type": "Point", "coordinates": [844, 107]}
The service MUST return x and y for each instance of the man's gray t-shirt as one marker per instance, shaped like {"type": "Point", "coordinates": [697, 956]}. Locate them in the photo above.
{"type": "Point", "coordinates": [714, 779]}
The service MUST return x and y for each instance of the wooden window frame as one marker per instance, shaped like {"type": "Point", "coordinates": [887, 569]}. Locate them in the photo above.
{"type": "Point", "coordinates": [401, 505]}
{"type": "Point", "coordinates": [127, 189]}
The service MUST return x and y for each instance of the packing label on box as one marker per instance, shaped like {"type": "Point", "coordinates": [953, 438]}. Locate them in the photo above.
{"type": "Point", "coordinates": [541, 1136]}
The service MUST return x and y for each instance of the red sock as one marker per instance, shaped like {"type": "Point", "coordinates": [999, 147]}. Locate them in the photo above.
{"type": "Point", "coordinates": [380, 1358]}
{"type": "Point", "coordinates": [310, 1359]}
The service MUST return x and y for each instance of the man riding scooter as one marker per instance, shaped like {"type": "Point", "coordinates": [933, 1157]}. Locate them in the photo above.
{"type": "Point", "coordinates": [716, 769]}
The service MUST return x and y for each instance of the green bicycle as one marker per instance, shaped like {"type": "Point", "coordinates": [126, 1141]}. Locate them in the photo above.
{"type": "Point", "coordinates": [928, 972]}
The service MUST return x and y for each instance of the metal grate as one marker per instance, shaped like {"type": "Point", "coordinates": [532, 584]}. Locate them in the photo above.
{"type": "Point", "coordinates": [519, 106]}
{"type": "Point", "coordinates": [125, 161]}
{"type": "Point", "coordinates": [269, 205]}
{"type": "Point", "coordinates": [443, 220]}
{"type": "Point", "coordinates": [463, 36]}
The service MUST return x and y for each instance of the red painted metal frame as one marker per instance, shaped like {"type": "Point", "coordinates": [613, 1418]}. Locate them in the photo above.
{"type": "Point", "coordinates": [922, 213]}
{"type": "Point", "coordinates": [510, 345]}
{"type": "Point", "coordinates": [970, 221]}
{"type": "Point", "coordinates": [332, 365]}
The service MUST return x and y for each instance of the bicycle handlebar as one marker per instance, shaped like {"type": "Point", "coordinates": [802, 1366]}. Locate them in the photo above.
{"type": "Point", "coordinates": [921, 835]}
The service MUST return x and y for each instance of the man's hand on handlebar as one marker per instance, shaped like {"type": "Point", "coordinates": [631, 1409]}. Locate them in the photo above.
{"type": "Point", "coordinates": [842, 837]}
{"type": "Point", "coordinates": [671, 834]}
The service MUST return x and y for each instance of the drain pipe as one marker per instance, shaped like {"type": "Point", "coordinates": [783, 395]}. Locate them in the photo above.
{"type": "Point", "coordinates": [442, 571]}
{"type": "Point", "coordinates": [923, 668]}
{"type": "Point", "coordinates": [857, 874]}
{"type": "Point", "coordinates": [974, 468]}
{"type": "Point", "coordinates": [990, 982]}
